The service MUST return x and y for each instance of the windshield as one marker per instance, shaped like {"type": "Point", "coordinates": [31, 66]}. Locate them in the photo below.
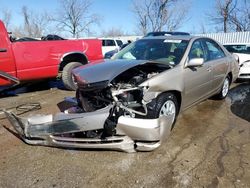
{"type": "Point", "coordinates": [243, 49]}
{"type": "Point", "coordinates": [162, 50]}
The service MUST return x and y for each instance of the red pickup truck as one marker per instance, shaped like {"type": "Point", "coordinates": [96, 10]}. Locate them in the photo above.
{"type": "Point", "coordinates": [34, 60]}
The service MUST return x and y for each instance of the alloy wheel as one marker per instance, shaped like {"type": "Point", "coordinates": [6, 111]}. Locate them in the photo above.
{"type": "Point", "coordinates": [168, 109]}
{"type": "Point", "coordinates": [225, 87]}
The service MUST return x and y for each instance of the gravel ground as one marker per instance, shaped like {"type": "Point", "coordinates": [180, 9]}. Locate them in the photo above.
{"type": "Point", "coordinates": [209, 147]}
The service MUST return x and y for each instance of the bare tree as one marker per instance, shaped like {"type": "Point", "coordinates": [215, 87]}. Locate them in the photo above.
{"type": "Point", "coordinates": [222, 14]}
{"type": "Point", "coordinates": [240, 18]}
{"type": "Point", "coordinates": [74, 17]}
{"type": "Point", "coordinates": [28, 27]}
{"type": "Point", "coordinates": [142, 18]}
{"type": "Point", "coordinates": [113, 32]}
{"type": "Point", "coordinates": [231, 15]}
{"type": "Point", "coordinates": [35, 24]}
{"type": "Point", "coordinates": [202, 28]}
{"type": "Point", "coordinates": [6, 17]}
{"type": "Point", "coordinates": [155, 15]}
{"type": "Point", "coordinates": [176, 17]}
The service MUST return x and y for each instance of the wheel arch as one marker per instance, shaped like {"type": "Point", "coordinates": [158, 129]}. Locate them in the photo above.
{"type": "Point", "coordinates": [230, 76]}
{"type": "Point", "coordinates": [178, 96]}
{"type": "Point", "coordinates": [72, 57]}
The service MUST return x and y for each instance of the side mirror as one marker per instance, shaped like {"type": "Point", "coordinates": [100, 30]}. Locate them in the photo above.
{"type": "Point", "coordinates": [195, 62]}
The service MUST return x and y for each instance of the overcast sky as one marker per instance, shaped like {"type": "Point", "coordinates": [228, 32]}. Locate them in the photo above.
{"type": "Point", "coordinates": [115, 13]}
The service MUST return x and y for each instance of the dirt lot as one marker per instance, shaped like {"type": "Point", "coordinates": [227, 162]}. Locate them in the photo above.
{"type": "Point", "coordinates": [209, 147]}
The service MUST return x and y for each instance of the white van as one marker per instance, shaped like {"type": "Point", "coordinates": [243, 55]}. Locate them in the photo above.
{"type": "Point", "coordinates": [109, 44]}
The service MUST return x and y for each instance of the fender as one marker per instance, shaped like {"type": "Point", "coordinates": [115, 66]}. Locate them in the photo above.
{"type": "Point", "coordinates": [75, 56]}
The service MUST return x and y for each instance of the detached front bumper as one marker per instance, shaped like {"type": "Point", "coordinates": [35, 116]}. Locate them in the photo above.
{"type": "Point", "coordinates": [132, 134]}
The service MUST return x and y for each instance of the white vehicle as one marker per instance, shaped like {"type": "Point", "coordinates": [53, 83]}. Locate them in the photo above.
{"type": "Point", "coordinates": [243, 52]}
{"type": "Point", "coordinates": [109, 44]}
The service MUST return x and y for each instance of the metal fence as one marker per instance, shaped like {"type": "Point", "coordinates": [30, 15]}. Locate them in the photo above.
{"type": "Point", "coordinates": [225, 38]}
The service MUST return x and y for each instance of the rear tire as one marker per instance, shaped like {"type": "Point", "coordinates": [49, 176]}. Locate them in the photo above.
{"type": "Point", "coordinates": [224, 90]}
{"type": "Point", "coordinates": [67, 77]}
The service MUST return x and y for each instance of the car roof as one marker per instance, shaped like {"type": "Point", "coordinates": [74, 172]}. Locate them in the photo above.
{"type": "Point", "coordinates": [174, 37]}
{"type": "Point", "coordinates": [161, 33]}
{"type": "Point", "coordinates": [109, 38]}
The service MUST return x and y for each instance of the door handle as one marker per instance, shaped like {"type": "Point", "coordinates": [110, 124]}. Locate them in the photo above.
{"type": "Point", "coordinates": [3, 50]}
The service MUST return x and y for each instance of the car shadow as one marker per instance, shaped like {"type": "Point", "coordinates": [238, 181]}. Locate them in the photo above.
{"type": "Point", "coordinates": [240, 101]}
{"type": "Point", "coordinates": [32, 87]}
{"type": "Point", "coordinates": [67, 104]}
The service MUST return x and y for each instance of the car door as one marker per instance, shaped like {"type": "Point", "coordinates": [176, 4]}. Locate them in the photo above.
{"type": "Point", "coordinates": [7, 61]}
{"type": "Point", "coordinates": [197, 80]}
{"type": "Point", "coordinates": [218, 62]}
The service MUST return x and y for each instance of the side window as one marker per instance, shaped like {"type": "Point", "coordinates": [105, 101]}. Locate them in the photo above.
{"type": "Point", "coordinates": [214, 50]}
{"type": "Point", "coordinates": [110, 43]}
{"type": "Point", "coordinates": [119, 42]}
{"type": "Point", "coordinates": [196, 50]}
{"type": "Point", "coordinates": [106, 42]}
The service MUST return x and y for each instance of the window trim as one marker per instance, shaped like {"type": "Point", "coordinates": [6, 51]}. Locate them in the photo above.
{"type": "Point", "coordinates": [202, 46]}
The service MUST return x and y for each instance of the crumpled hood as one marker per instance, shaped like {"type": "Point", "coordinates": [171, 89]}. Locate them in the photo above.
{"type": "Point", "coordinates": [104, 70]}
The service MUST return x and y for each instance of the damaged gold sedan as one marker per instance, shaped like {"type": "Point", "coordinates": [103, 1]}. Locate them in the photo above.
{"type": "Point", "coordinates": [130, 103]}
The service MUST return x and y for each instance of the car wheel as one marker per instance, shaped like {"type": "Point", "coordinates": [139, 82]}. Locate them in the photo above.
{"type": "Point", "coordinates": [225, 88]}
{"type": "Point", "coordinates": [67, 76]}
{"type": "Point", "coordinates": [166, 105]}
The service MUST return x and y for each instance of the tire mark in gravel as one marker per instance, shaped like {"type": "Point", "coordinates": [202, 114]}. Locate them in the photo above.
{"type": "Point", "coordinates": [223, 143]}
{"type": "Point", "coordinates": [171, 165]}
{"type": "Point", "coordinates": [240, 170]}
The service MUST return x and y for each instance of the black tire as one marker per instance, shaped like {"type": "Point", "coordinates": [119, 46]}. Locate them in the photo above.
{"type": "Point", "coordinates": [67, 76]}
{"type": "Point", "coordinates": [224, 89]}
{"type": "Point", "coordinates": [79, 103]}
{"type": "Point", "coordinates": [155, 111]}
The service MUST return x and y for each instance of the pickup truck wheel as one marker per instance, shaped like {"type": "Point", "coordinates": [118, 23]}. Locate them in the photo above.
{"type": "Point", "coordinates": [67, 77]}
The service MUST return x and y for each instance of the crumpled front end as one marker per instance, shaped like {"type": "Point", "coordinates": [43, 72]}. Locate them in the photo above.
{"type": "Point", "coordinates": [114, 114]}
{"type": "Point", "coordinates": [68, 130]}
{"type": "Point", "coordinates": [81, 131]}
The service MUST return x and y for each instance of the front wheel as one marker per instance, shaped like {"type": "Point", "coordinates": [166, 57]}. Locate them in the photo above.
{"type": "Point", "coordinates": [165, 105]}
{"type": "Point", "coordinates": [67, 76]}
{"type": "Point", "coordinates": [225, 88]}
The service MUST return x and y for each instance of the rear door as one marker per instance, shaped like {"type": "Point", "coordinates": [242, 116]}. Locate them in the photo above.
{"type": "Point", "coordinates": [218, 62]}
